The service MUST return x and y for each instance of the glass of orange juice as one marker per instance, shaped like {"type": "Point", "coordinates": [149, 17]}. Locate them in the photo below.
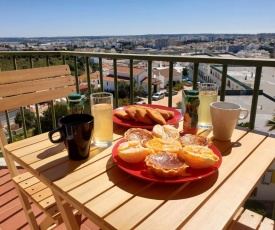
{"type": "Point", "coordinates": [102, 111]}
{"type": "Point", "coordinates": [208, 93]}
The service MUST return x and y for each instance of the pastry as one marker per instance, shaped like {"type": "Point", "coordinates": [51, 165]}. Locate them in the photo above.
{"type": "Point", "coordinates": [131, 111]}
{"type": "Point", "coordinates": [132, 151]}
{"type": "Point", "coordinates": [141, 135]}
{"type": "Point", "coordinates": [143, 117]}
{"type": "Point", "coordinates": [158, 144]}
{"type": "Point", "coordinates": [145, 114]}
{"type": "Point", "coordinates": [165, 113]}
{"type": "Point", "coordinates": [190, 139]}
{"type": "Point", "coordinates": [165, 132]}
{"type": "Point", "coordinates": [123, 115]}
{"type": "Point", "coordinates": [166, 164]}
{"type": "Point", "coordinates": [197, 156]}
{"type": "Point", "coordinates": [156, 116]}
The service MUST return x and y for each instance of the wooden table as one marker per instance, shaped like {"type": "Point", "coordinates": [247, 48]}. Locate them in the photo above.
{"type": "Point", "coordinates": [114, 199]}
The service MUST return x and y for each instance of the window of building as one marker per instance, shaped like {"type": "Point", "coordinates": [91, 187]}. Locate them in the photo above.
{"type": "Point", "coordinates": [267, 178]}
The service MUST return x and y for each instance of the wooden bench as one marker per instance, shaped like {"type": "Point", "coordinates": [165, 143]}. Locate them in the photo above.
{"type": "Point", "coordinates": [248, 220]}
{"type": "Point", "coordinates": [20, 88]}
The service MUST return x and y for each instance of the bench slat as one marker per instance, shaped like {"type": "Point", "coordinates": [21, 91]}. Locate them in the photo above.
{"type": "Point", "coordinates": [248, 220]}
{"type": "Point", "coordinates": [33, 74]}
{"type": "Point", "coordinates": [32, 98]}
{"type": "Point", "coordinates": [267, 224]}
{"type": "Point", "coordinates": [28, 86]}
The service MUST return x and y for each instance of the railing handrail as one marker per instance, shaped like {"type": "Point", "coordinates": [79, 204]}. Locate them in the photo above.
{"type": "Point", "coordinates": [195, 59]}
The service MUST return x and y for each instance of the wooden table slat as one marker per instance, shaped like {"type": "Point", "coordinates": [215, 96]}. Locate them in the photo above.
{"type": "Point", "coordinates": [115, 197]}
{"type": "Point", "coordinates": [116, 200]}
{"type": "Point", "coordinates": [150, 199]}
{"type": "Point", "coordinates": [246, 177]}
{"type": "Point", "coordinates": [69, 166]}
{"type": "Point", "coordinates": [84, 174]}
{"type": "Point", "coordinates": [98, 185]}
{"type": "Point", "coordinates": [192, 197]}
{"type": "Point", "coordinates": [26, 142]}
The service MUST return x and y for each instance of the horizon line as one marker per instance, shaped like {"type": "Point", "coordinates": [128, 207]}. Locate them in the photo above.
{"type": "Point", "coordinates": [66, 36]}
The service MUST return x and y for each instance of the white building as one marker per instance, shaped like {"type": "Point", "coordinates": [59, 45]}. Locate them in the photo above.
{"type": "Point", "coordinates": [123, 74]}
{"type": "Point", "coordinates": [163, 76]}
{"type": "Point", "coordinates": [212, 73]}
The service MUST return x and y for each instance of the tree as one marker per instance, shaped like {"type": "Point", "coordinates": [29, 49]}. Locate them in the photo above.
{"type": "Point", "coordinates": [95, 67]}
{"type": "Point", "coordinates": [30, 119]}
{"type": "Point", "coordinates": [123, 89]}
{"type": "Point", "coordinates": [46, 118]}
{"type": "Point", "coordinates": [271, 124]}
{"type": "Point", "coordinates": [138, 90]}
{"type": "Point", "coordinates": [185, 71]}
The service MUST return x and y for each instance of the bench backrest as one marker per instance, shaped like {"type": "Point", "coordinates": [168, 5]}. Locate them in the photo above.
{"type": "Point", "coordinates": [19, 88]}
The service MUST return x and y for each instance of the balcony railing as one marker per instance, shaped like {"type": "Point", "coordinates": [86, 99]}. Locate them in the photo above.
{"type": "Point", "coordinates": [194, 60]}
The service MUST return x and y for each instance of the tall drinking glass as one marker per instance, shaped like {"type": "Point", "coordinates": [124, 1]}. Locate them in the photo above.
{"type": "Point", "coordinates": [208, 93]}
{"type": "Point", "coordinates": [102, 111]}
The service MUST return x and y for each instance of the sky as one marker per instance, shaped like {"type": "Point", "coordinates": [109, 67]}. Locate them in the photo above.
{"type": "Point", "coordinates": [49, 18]}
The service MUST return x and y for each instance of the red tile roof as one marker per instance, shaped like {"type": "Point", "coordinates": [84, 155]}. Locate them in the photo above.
{"type": "Point", "coordinates": [154, 82]}
{"type": "Point", "coordinates": [94, 75]}
{"type": "Point", "coordinates": [123, 70]}
{"type": "Point", "coordinates": [110, 78]}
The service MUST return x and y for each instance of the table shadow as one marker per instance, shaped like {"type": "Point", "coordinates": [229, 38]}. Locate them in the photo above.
{"type": "Point", "coordinates": [51, 151]}
{"type": "Point", "coordinates": [148, 189]}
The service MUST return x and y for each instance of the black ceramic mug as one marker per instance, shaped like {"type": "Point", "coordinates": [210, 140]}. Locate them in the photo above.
{"type": "Point", "coordinates": [76, 132]}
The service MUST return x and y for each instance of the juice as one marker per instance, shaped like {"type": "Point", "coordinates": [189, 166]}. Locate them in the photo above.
{"type": "Point", "coordinates": [190, 118]}
{"type": "Point", "coordinates": [103, 124]}
{"type": "Point", "coordinates": [206, 98]}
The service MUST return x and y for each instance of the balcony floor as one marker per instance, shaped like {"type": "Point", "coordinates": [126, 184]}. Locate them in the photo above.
{"type": "Point", "coordinates": [11, 213]}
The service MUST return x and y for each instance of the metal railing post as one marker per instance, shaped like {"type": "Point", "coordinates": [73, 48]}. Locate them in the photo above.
{"type": "Point", "coordinates": [115, 84]}
{"type": "Point", "coordinates": [170, 84]}
{"type": "Point", "coordinates": [150, 82]}
{"type": "Point", "coordinates": [131, 82]}
{"type": "Point", "coordinates": [254, 103]}
{"type": "Point", "coordinates": [89, 82]}
{"type": "Point", "coordinates": [101, 75]}
{"type": "Point", "coordinates": [195, 75]}
{"type": "Point", "coordinates": [76, 74]}
{"type": "Point", "coordinates": [223, 83]}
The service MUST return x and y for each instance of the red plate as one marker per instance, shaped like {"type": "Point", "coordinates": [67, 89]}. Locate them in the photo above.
{"type": "Point", "coordinates": [136, 124]}
{"type": "Point", "coordinates": [140, 170]}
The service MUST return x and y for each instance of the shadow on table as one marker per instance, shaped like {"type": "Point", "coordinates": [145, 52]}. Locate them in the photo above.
{"type": "Point", "coordinates": [148, 189]}
{"type": "Point", "coordinates": [51, 151]}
